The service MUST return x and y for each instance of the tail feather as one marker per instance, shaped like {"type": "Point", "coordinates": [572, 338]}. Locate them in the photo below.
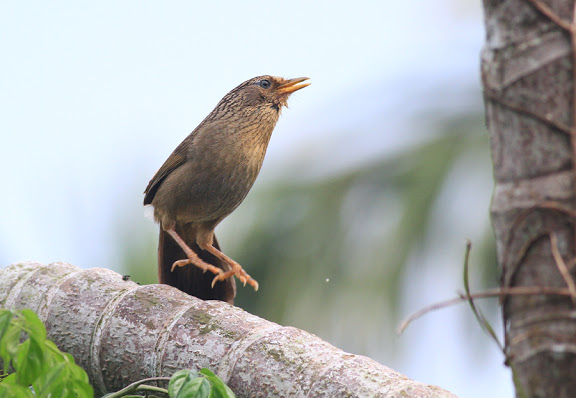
{"type": "Point", "coordinates": [191, 279]}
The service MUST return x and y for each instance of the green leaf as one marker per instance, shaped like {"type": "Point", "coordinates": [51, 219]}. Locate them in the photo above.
{"type": "Point", "coordinates": [9, 344]}
{"type": "Point", "coordinates": [75, 372]}
{"type": "Point", "coordinates": [37, 361]}
{"type": "Point", "coordinates": [63, 380]}
{"type": "Point", "coordinates": [33, 325]}
{"type": "Point", "coordinates": [179, 377]}
{"type": "Point", "coordinates": [186, 384]}
{"type": "Point", "coordinates": [49, 382]}
{"type": "Point", "coordinates": [10, 379]}
{"type": "Point", "coordinates": [82, 389]}
{"type": "Point", "coordinates": [5, 318]}
{"type": "Point", "coordinates": [14, 391]}
{"type": "Point", "coordinates": [29, 362]}
{"type": "Point", "coordinates": [54, 353]}
{"type": "Point", "coordinates": [219, 389]}
{"type": "Point", "coordinates": [76, 379]}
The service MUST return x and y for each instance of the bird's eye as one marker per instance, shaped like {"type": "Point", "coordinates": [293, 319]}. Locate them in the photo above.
{"type": "Point", "coordinates": [264, 83]}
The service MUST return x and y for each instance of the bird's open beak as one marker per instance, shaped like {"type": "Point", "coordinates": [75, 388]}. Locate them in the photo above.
{"type": "Point", "coordinates": [292, 85]}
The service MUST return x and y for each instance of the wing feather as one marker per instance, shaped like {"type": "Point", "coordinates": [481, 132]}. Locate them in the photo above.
{"type": "Point", "coordinates": [175, 160]}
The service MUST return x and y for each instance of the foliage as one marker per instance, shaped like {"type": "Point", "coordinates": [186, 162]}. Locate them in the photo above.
{"type": "Point", "coordinates": [183, 384]}
{"type": "Point", "coordinates": [35, 361]}
{"type": "Point", "coordinates": [35, 367]}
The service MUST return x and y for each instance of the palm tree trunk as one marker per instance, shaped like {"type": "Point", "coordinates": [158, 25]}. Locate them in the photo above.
{"type": "Point", "coordinates": [528, 78]}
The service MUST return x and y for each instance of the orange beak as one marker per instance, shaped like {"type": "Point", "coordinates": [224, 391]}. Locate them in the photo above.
{"type": "Point", "coordinates": [292, 85]}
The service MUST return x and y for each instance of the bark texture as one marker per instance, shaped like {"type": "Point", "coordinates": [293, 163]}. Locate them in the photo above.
{"type": "Point", "coordinates": [121, 332]}
{"type": "Point", "coordinates": [527, 70]}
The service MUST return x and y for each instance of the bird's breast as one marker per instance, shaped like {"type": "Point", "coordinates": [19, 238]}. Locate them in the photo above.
{"type": "Point", "coordinates": [222, 174]}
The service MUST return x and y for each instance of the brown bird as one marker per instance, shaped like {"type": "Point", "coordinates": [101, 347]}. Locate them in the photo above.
{"type": "Point", "coordinates": [206, 177]}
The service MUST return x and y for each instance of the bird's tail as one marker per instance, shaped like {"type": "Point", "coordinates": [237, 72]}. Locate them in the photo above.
{"type": "Point", "coordinates": [191, 279]}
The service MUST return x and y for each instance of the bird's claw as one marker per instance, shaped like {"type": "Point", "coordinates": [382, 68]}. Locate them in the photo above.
{"type": "Point", "coordinates": [242, 276]}
{"type": "Point", "coordinates": [216, 279]}
{"type": "Point", "coordinates": [202, 265]}
{"type": "Point", "coordinates": [180, 263]}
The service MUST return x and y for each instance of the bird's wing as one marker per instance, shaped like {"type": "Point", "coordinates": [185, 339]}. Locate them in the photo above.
{"type": "Point", "coordinates": [175, 160]}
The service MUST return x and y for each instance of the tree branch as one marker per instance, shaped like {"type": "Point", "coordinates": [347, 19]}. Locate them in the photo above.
{"type": "Point", "coordinates": [121, 332]}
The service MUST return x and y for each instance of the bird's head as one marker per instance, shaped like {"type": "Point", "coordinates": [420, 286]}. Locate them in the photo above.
{"type": "Point", "coordinates": [265, 92]}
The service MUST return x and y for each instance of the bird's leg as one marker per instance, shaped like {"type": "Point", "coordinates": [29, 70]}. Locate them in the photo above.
{"type": "Point", "coordinates": [236, 269]}
{"type": "Point", "coordinates": [192, 257]}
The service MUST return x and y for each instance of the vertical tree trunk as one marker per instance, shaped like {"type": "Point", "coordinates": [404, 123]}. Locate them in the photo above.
{"type": "Point", "coordinates": [527, 70]}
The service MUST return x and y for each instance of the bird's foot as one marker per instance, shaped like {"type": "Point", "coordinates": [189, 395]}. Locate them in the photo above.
{"type": "Point", "coordinates": [242, 276]}
{"type": "Point", "coordinates": [204, 266]}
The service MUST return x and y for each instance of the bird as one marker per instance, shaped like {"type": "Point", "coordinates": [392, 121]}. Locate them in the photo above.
{"type": "Point", "coordinates": [206, 178]}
